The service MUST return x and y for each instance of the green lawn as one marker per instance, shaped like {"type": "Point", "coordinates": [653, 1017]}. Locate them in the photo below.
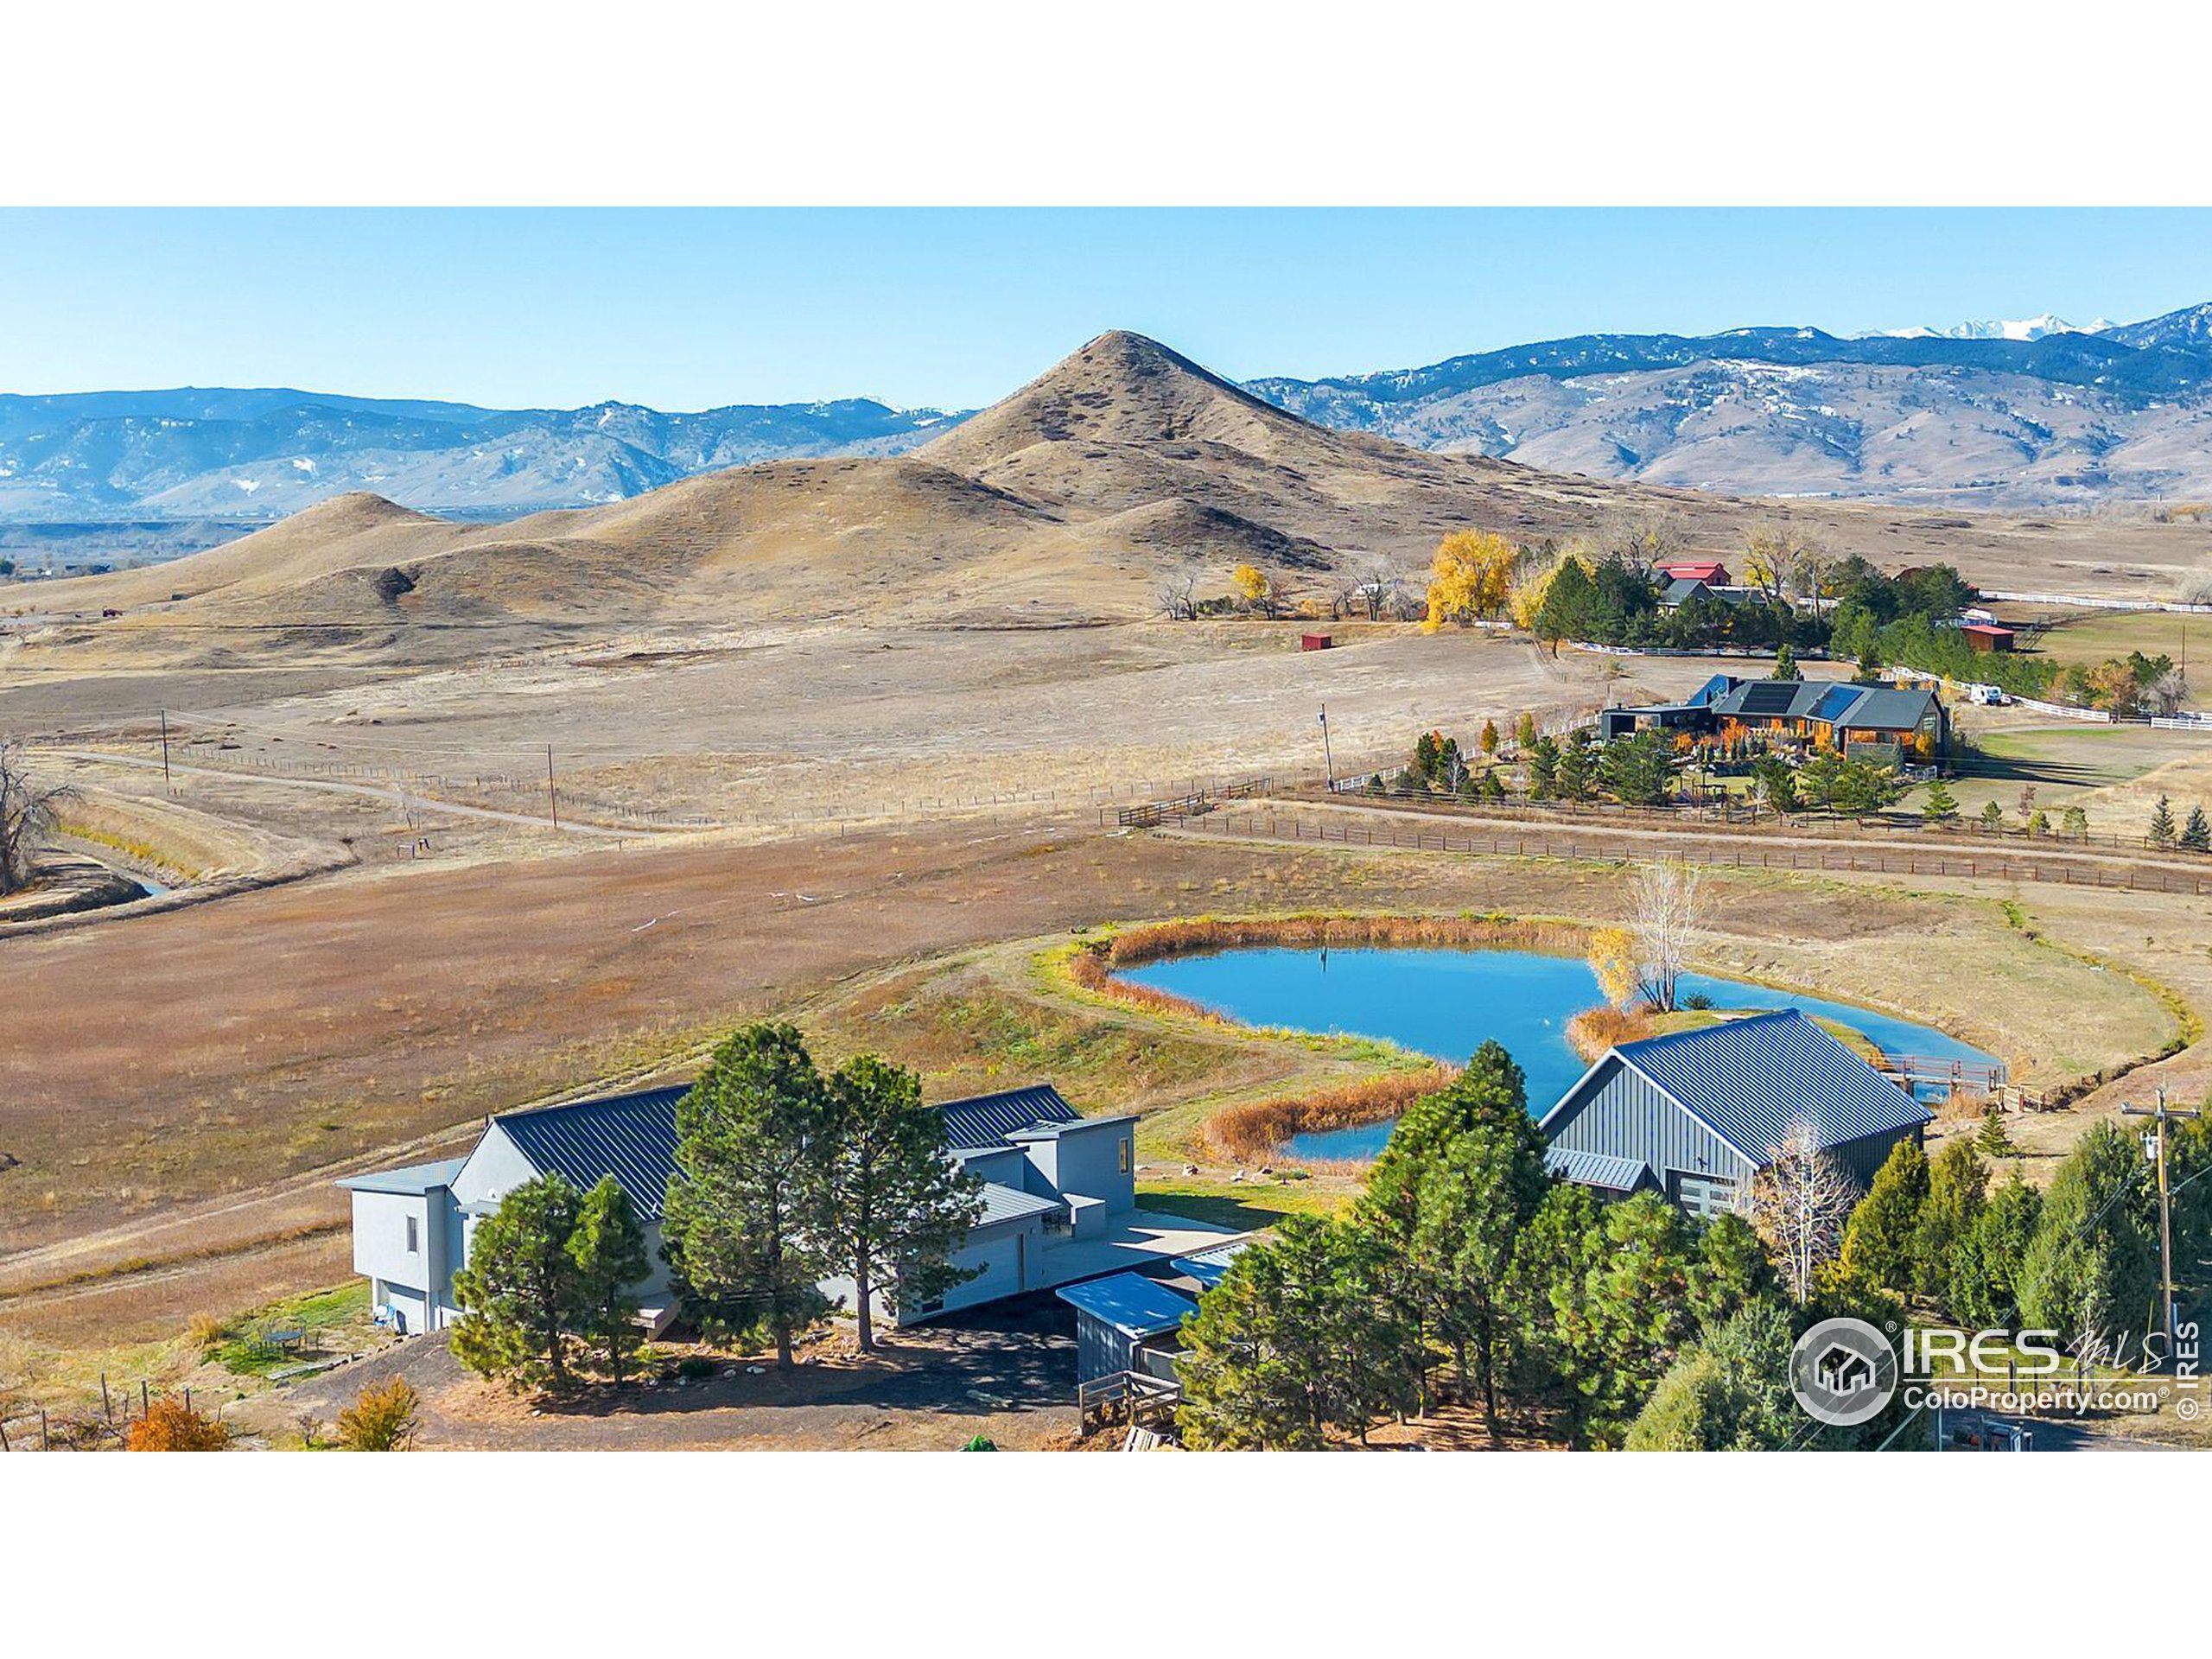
{"type": "Point", "coordinates": [1245, 1206]}
{"type": "Point", "coordinates": [2107, 634]}
{"type": "Point", "coordinates": [249, 1347]}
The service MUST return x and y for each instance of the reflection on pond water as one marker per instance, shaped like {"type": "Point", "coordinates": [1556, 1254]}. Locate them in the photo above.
{"type": "Point", "coordinates": [1446, 1003]}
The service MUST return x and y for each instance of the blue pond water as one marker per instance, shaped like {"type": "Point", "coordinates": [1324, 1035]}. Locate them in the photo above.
{"type": "Point", "coordinates": [1447, 1003]}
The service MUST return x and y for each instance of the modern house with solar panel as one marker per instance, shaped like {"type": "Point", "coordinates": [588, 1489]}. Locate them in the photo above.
{"type": "Point", "coordinates": [1841, 714]}
{"type": "Point", "coordinates": [1696, 1115]}
{"type": "Point", "coordinates": [1059, 1189]}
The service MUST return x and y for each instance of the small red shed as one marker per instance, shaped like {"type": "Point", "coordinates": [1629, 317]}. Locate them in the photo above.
{"type": "Point", "coordinates": [1986, 636]}
{"type": "Point", "coordinates": [1315, 641]}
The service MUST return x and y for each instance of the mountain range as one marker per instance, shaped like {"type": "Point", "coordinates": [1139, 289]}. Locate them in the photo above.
{"type": "Point", "coordinates": [1974, 418]}
{"type": "Point", "coordinates": [2032, 414]}
{"type": "Point", "coordinates": [194, 453]}
{"type": "Point", "coordinates": [1124, 469]}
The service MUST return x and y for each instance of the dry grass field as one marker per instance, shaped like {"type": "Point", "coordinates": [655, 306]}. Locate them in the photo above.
{"type": "Point", "coordinates": [899, 693]}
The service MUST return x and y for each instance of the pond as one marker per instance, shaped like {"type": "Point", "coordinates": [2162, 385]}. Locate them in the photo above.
{"type": "Point", "coordinates": [1446, 1003]}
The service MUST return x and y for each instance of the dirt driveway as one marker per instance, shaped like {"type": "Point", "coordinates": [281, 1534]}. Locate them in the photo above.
{"type": "Point", "coordinates": [1006, 1373]}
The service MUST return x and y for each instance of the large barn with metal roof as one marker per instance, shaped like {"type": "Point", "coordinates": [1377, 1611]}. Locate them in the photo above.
{"type": "Point", "coordinates": [1059, 1191]}
{"type": "Point", "coordinates": [1696, 1113]}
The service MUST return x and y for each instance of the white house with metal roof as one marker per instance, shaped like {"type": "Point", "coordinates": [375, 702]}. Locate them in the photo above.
{"type": "Point", "coordinates": [1696, 1113]}
{"type": "Point", "coordinates": [1059, 1189]}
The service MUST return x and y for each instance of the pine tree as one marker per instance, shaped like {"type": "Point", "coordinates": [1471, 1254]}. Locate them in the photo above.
{"type": "Point", "coordinates": [743, 1214]}
{"type": "Point", "coordinates": [1941, 805]}
{"type": "Point", "coordinates": [1492, 788]}
{"type": "Point", "coordinates": [2197, 834]}
{"type": "Point", "coordinates": [2091, 1270]}
{"type": "Point", "coordinates": [1958, 1187]}
{"type": "Point", "coordinates": [1993, 1140]}
{"type": "Point", "coordinates": [1785, 664]}
{"type": "Point", "coordinates": [608, 1247]}
{"type": "Point", "coordinates": [1543, 769]}
{"type": "Point", "coordinates": [1292, 1342]}
{"type": "Point", "coordinates": [1985, 1279]}
{"type": "Point", "coordinates": [1879, 1242]}
{"type": "Point", "coordinates": [896, 1206]}
{"type": "Point", "coordinates": [1575, 772]}
{"type": "Point", "coordinates": [2162, 823]}
{"type": "Point", "coordinates": [1524, 730]}
{"type": "Point", "coordinates": [519, 1295]}
{"type": "Point", "coordinates": [1993, 817]}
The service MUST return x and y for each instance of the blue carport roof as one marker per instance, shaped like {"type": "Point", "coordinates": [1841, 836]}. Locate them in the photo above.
{"type": "Point", "coordinates": [1132, 1303]}
{"type": "Point", "coordinates": [1211, 1267]}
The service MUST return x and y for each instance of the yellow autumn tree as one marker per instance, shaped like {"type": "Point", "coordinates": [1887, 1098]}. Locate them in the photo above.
{"type": "Point", "coordinates": [1525, 599]}
{"type": "Point", "coordinates": [1468, 577]}
{"type": "Point", "coordinates": [1256, 589]}
{"type": "Point", "coordinates": [1613, 959]}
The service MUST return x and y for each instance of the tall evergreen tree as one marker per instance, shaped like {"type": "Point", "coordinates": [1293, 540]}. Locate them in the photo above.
{"type": "Point", "coordinates": [1785, 664]}
{"type": "Point", "coordinates": [2162, 823]}
{"type": "Point", "coordinates": [2197, 834]}
{"type": "Point", "coordinates": [519, 1296]}
{"type": "Point", "coordinates": [1728, 1391]}
{"type": "Point", "coordinates": [608, 1248]}
{"type": "Point", "coordinates": [1984, 1289]}
{"type": "Point", "coordinates": [1958, 1187]}
{"type": "Point", "coordinates": [1879, 1241]}
{"type": "Point", "coordinates": [896, 1204]}
{"type": "Point", "coordinates": [1291, 1343]}
{"type": "Point", "coordinates": [2092, 1271]}
{"type": "Point", "coordinates": [1992, 1139]}
{"type": "Point", "coordinates": [744, 1213]}
{"type": "Point", "coordinates": [1941, 805]}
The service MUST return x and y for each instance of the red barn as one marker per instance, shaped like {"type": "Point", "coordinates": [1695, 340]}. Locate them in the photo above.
{"type": "Point", "coordinates": [1710, 572]}
{"type": "Point", "coordinates": [1986, 636]}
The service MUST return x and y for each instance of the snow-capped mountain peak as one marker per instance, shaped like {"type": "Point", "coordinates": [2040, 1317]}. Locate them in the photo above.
{"type": "Point", "coordinates": [2022, 328]}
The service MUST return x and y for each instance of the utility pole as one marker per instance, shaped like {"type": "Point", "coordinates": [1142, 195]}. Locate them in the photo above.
{"type": "Point", "coordinates": [2159, 1115]}
{"type": "Point", "coordinates": [166, 783]}
{"type": "Point", "coordinates": [1328, 759]}
{"type": "Point", "coordinates": [552, 794]}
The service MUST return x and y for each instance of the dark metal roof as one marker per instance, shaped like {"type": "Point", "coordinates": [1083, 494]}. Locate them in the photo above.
{"type": "Point", "coordinates": [1888, 709]}
{"type": "Point", "coordinates": [987, 1120]}
{"type": "Point", "coordinates": [407, 1180]}
{"type": "Point", "coordinates": [1713, 691]}
{"type": "Point", "coordinates": [1750, 1080]}
{"type": "Point", "coordinates": [631, 1137]}
{"type": "Point", "coordinates": [1596, 1169]}
{"type": "Point", "coordinates": [1132, 1303]}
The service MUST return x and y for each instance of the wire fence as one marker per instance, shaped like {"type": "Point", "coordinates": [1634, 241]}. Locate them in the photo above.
{"type": "Point", "coordinates": [1595, 844]}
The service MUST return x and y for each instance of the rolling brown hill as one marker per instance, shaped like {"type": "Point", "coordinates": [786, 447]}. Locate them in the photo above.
{"type": "Point", "coordinates": [1065, 502]}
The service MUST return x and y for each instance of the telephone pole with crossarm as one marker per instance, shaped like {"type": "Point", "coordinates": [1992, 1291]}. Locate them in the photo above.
{"type": "Point", "coordinates": [2159, 1115]}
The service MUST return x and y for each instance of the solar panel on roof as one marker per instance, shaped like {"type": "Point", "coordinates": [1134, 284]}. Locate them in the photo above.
{"type": "Point", "coordinates": [1769, 697]}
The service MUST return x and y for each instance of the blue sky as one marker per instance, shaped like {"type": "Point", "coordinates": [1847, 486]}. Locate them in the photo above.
{"type": "Point", "coordinates": [685, 309]}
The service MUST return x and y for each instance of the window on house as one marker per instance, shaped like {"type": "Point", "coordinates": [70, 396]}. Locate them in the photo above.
{"type": "Point", "coordinates": [414, 1240]}
{"type": "Point", "coordinates": [1125, 1155]}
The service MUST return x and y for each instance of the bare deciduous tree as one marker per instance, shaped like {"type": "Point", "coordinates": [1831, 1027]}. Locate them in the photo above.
{"type": "Point", "coordinates": [27, 815]}
{"type": "Point", "coordinates": [1665, 904]}
{"type": "Point", "coordinates": [1644, 540]}
{"type": "Point", "coordinates": [2166, 694]}
{"type": "Point", "coordinates": [1382, 591]}
{"type": "Point", "coordinates": [1177, 595]}
{"type": "Point", "coordinates": [1798, 1205]}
